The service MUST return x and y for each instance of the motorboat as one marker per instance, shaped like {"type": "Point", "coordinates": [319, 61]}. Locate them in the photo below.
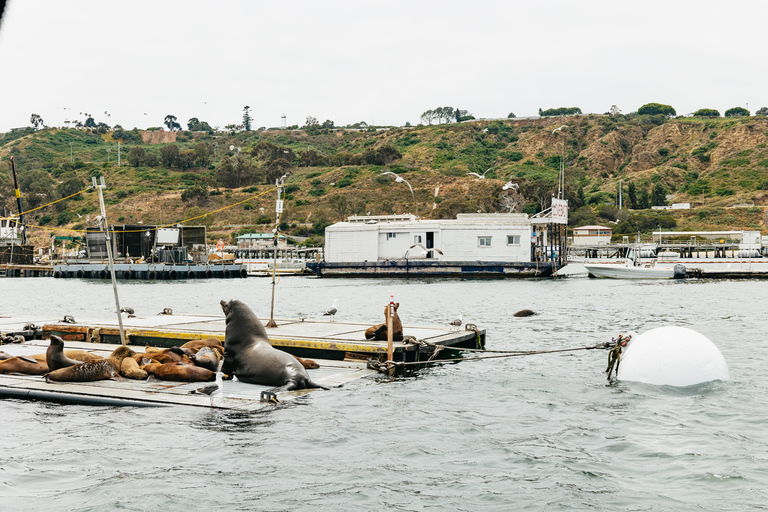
{"type": "Point", "coordinates": [636, 270]}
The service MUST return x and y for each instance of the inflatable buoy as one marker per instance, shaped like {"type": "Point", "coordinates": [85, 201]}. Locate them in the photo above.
{"type": "Point", "coordinates": [152, 275]}
{"type": "Point", "coordinates": [226, 273]}
{"type": "Point", "coordinates": [672, 356]}
{"type": "Point", "coordinates": [128, 274]}
{"type": "Point", "coordinates": [208, 273]}
{"type": "Point", "coordinates": [102, 274]}
{"type": "Point", "coordinates": [80, 273]}
{"type": "Point", "coordinates": [173, 274]}
{"type": "Point", "coordinates": [57, 274]}
{"type": "Point", "coordinates": [243, 273]}
{"type": "Point", "coordinates": [191, 274]}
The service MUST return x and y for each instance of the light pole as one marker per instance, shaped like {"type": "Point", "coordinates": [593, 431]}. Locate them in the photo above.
{"type": "Point", "coordinates": [561, 178]}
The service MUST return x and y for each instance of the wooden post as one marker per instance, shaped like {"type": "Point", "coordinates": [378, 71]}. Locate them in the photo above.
{"type": "Point", "coordinates": [390, 344]}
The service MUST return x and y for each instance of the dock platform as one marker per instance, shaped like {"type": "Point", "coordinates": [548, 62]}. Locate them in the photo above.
{"type": "Point", "coordinates": [340, 348]}
{"type": "Point", "coordinates": [156, 393]}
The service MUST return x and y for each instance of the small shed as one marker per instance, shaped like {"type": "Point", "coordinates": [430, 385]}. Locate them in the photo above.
{"type": "Point", "coordinates": [592, 235]}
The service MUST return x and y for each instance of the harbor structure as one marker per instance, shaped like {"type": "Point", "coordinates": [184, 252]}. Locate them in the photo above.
{"type": "Point", "coordinates": [481, 244]}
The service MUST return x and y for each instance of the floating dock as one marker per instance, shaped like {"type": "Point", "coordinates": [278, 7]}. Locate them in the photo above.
{"type": "Point", "coordinates": [432, 268]}
{"type": "Point", "coordinates": [339, 348]}
{"type": "Point", "coordinates": [149, 271]}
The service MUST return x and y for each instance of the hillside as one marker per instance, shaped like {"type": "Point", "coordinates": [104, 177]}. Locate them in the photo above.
{"type": "Point", "coordinates": [719, 165]}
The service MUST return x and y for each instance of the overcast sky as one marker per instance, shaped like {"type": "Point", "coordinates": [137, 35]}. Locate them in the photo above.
{"type": "Point", "coordinates": [382, 62]}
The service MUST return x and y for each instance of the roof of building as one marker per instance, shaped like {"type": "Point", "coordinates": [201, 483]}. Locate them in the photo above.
{"type": "Point", "coordinates": [593, 227]}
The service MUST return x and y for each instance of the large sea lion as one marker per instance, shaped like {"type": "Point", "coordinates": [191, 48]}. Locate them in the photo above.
{"type": "Point", "coordinates": [379, 332]}
{"type": "Point", "coordinates": [87, 372]}
{"type": "Point", "coordinates": [523, 313]}
{"type": "Point", "coordinates": [179, 372]}
{"type": "Point", "coordinates": [129, 369]}
{"type": "Point", "coordinates": [54, 356]}
{"type": "Point", "coordinates": [249, 355]}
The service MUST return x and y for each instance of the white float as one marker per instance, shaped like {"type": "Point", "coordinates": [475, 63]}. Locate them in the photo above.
{"type": "Point", "coordinates": [672, 356]}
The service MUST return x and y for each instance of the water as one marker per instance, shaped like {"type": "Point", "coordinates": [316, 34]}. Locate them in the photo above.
{"type": "Point", "coordinates": [542, 432]}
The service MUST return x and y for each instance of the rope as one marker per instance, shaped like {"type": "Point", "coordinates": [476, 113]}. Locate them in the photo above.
{"type": "Point", "coordinates": [376, 365]}
{"type": "Point", "coordinates": [45, 205]}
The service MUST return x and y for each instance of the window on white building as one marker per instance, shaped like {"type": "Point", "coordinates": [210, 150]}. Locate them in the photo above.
{"type": "Point", "coordinates": [417, 239]}
{"type": "Point", "coordinates": [513, 239]}
{"type": "Point", "coordinates": [391, 235]}
{"type": "Point", "coordinates": [484, 241]}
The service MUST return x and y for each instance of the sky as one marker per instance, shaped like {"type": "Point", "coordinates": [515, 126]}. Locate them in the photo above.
{"type": "Point", "coordinates": [382, 62]}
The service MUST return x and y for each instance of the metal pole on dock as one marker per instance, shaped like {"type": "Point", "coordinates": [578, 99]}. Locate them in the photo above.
{"type": "Point", "coordinates": [278, 210]}
{"type": "Point", "coordinates": [105, 227]}
{"type": "Point", "coordinates": [390, 334]}
{"type": "Point", "coordinates": [18, 202]}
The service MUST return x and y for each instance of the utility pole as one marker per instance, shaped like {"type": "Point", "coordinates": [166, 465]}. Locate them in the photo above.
{"type": "Point", "coordinates": [18, 202]}
{"type": "Point", "coordinates": [279, 183]}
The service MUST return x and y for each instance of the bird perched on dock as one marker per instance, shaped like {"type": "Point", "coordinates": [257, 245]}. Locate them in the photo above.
{"type": "Point", "coordinates": [457, 322]}
{"type": "Point", "coordinates": [331, 312]}
{"type": "Point", "coordinates": [166, 311]}
{"type": "Point", "coordinates": [212, 389]}
{"type": "Point", "coordinates": [130, 312]}
{"type": "Point", "coordinates": [69, 319]}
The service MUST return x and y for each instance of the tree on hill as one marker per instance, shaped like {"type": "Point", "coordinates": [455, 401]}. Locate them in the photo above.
{"type": "Point", "coordinates": [736, 112]}
{"type": "Point", "coordinates": [653, 109]}
{"type": "Point", "coordinates": [562, 111]}
{"type": "Point", "coordinates": [511, 115]}
{"type": "Point", "coordinates": [195, 125]}
{"type": "Point", "coordinates": [90, 123]}
{"type": "Point", "coordinates": [247, 118]}
{"type": "Point", "coordinates": [36, 121]}
{"type": "Point", "coordinates": [170, 122]}
{"type": "Point", "coordinates": [137, 156]}
{"type": "Point", "coordinates": [169, 155]}
{"type": "Point", "coordinates": [659, 195]}
{"type": "Point", "coordinates": [707, 112]}
{"type": "Point", "coordinates": [762, 111]}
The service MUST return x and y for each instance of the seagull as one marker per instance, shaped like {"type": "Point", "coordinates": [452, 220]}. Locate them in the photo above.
{"type": "Point", "coordinates": [482, 177]}
{"type": "Point", "coordinates": [398, 179]}
{"type": "Point", "coordinates": [331, 312]}
{"type": "Point", "coordinates": [457, 322]}
{"type": "Point", "coordinates": [128, 310]}
{"type": "Point", "coordinates": [426, 251]}
{"type": "Point", "coordinates": [509, 185]}
{"type": "Point", "coordinates": [212, 389]}
{"type": "Point", "coordinates": [166, 311]}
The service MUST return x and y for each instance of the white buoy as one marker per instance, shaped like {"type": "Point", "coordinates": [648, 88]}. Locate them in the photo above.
{"type": "Point", "coordinates": [672, 356]}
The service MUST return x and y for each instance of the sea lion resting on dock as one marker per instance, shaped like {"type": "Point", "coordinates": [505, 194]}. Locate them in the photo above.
{"type": "Point", "coordinates": [37, 364]}
{"type": "Point", "coordinates": [379, 332]}
{"type": "Point", "coordinates": [179, 372]}
{"type": "Point", "coordinates": [87, 372]}
{"type": "Point", "coordinates": [249, 355]}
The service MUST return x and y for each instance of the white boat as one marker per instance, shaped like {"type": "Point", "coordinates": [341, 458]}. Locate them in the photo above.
{"type": "Point", "coordinates": [631, 270]}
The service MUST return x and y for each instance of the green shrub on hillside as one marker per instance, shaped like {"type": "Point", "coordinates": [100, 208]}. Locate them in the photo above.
{"type": "Point", "coordinates": [653, 109]}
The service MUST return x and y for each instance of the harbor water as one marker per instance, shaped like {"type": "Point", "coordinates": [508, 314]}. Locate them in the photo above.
{"type": "Point", "coordinates": [542, 432]}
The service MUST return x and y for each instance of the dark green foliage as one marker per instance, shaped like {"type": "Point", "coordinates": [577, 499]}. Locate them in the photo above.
{"type": "Point", "coordinates": [658, 197]}
{"type": "Point", "coordinates": [707, 112]}
{"type": "Point", "coordinates": [653, 109]}
{"type": "Point", "coordinates": [317, 192]}
{"type": "Point", "coordinates": [562, 111]}
{"type": "Point", "coordinates": [736, 112]}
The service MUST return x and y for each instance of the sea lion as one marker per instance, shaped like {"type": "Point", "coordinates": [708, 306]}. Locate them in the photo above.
{"type": "Point", "coordinates": [168, 355]}
{"type": "Point", "coordinates": [129, 369]}
{"type": "Point", "coordinates": [249, 355]}
{"type": "Point", "coordinates": [87, 372]}
{"type": "Point", "coordinates": [379, 332]}
{"type": "Point", "coordinates": [207, 357]}
{"type": "Point", "coordinates": [54, 356]}
{"type": "Point", "coordinates": [309, 364]}
{"type": "Point", "coordinates": [179, 372]}
{"type": "Point", "coordinates": [524, 313]}
{"type": "Point", "coordinates": [209, 342]}
{"type": "Point", "coordinates": [23, 365]}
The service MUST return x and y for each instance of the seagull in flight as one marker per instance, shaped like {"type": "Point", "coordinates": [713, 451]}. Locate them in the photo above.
{"type": "Point", "coordinates": [212, 389]}
{"type": "Point", "coordinates": [399, 179]}
{"type": "Point", "coordinates": [421, 246]}
{"type": "Point", "coordinates": [457, 322]}
{"type": "Point", "coordinates": [481, 176]}
{"type": "Point", "coordinates": [331, 312]}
